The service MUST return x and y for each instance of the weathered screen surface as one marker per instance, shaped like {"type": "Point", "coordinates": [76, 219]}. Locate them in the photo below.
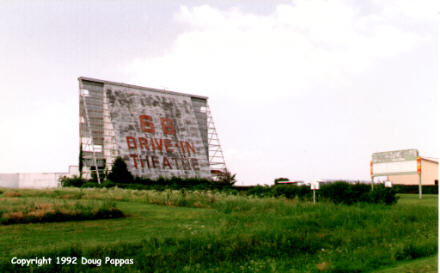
{"type": "Point", "coordinates": [158, 134]}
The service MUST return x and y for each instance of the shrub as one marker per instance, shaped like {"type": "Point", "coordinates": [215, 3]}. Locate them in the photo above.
{"type": "Point", "coordinates": [119, 172]}
{"type": "Point", "coordinates": [74, 181]}
{"type": "Point", "coordinates": [339, 193]}
{"type": "Point", "coordinates": [174, 183]}
{"type": "Point", "coordinates": [414, 189]}
{"type": "Point", "coordinates": [226, 178]}
{"type": "Point", "coordinates": [360, 192]}
{"type": "Point", "coordinates": [336, 192]}
{"type": "Point", "coordinates": [91, 184]}
{"type": "Point", "coordinates": [304, 193]}
{"type": "Point", "coordinates": [108, 184]}
{"type": "Point", "coordinates": [345, 193]}
{"type": "Point", "coordinates": [382, 194]}
{"type": "Point", "coordinates": [288, 191]}
{"type": "Point", "coordinates": [260, 191]}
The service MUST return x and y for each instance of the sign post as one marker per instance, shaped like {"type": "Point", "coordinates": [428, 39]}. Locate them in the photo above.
{"type": "Point", "coordinates": [419, 171]}
{"type": "Point", "coordinates": [401, 162]}
{"type": "Point", "coordinates": [314, 186]}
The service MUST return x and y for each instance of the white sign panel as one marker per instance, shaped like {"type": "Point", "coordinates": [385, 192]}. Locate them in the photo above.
{"type": "Point", "coordinates": [394, 162]}
{"type": "Point", "coordinates": [395, 167]}
{"type": "Point", "coordinates": [314, 186]}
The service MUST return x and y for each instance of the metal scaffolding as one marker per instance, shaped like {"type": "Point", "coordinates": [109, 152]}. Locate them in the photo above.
{"type": "Point", "coordinates": [217, 163]}
{"type": "Point", "coordinates": [87, 141]}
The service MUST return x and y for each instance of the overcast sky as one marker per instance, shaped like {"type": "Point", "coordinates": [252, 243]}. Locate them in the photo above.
{"type": "Point", "coordinates": [299, 89]}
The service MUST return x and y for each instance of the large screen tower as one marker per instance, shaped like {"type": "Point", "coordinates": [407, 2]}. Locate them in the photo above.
{"type": "Point", "coordinates": [156, 132]}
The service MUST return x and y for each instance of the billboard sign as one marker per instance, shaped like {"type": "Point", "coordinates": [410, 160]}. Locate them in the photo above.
{"type": "Point", "coordinates": [395, 162]}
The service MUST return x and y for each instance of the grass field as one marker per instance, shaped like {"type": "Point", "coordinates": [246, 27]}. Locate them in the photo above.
{"type": "Point", "coordinates": [422, 265]}
{"type": "Point", "coordinates": [178, 231]}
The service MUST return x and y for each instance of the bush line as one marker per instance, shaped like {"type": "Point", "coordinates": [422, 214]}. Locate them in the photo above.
{"type": "Point", "coordinates": [337, 192]}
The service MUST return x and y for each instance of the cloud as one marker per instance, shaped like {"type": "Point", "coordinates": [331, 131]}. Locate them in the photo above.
{"type": "Point", "coordinates": [298, 90]}
{"type": "Point", "coordinates": [286, 53]}
{"type": "Point", "coordinates": [408, 10]}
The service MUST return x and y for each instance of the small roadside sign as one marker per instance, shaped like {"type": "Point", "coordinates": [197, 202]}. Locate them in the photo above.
{"type": "Point", "coordinates": [314, 186]}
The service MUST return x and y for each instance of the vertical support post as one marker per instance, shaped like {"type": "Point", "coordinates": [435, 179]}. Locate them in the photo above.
{"type": "Point", "coordinates": [372, 175]}
{"type": "Point", "coordinates": [314, 196]}
{"type": "Point", "coordinates": [419, 171]}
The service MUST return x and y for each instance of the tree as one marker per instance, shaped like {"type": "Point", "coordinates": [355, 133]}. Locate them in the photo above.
{"type": "Point", "coordinates": [119, 172]}
{"type": "Point", "coordinates": [81, 160]}
{"type": "Point", "coordinates": [227, 178]}
{"type": "Point", "coordinates": [280, 179]}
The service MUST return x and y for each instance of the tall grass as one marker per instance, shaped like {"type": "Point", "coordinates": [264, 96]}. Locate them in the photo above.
{"type": "Point", "coordinates": [250, 234]}
{"type": "Point", "coordinates": [180, 198]}
{"type": "Point", "coordinates": [31, 210]}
